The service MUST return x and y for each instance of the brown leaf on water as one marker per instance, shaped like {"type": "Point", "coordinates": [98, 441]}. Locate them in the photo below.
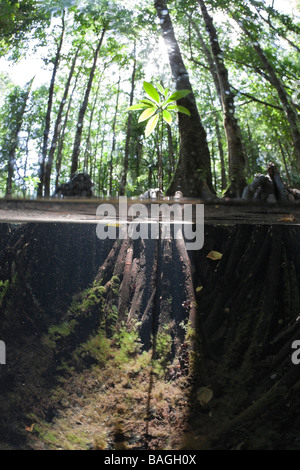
{"type": "Point", "coordinates": [214, 255]}
{"type": "Point", "coordinates": [30, 428]}
{"type": "Point", "coordinates": [288, 218]}
{"type": "Point", "coordinates": [204, 395]}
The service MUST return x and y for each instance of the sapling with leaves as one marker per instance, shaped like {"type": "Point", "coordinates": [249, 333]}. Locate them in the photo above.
{"type": "Point", "coordinates": [158, 107]}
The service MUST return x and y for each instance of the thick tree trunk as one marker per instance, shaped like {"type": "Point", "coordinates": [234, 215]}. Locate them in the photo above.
{"type": "Point", "coordinates": [236, 157]}
{"type": "Point", "coordinates": [48, 113]}
{"type": "Point", "coordinates": [81, 115]}
{"type": "Point", "coordinates": [193, 173]}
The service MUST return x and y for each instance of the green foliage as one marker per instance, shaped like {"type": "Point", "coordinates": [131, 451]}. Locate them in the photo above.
{"type": "Point", "coordinates": [128, 343]}
{"type": "Point", "coordinates": [162, 350]}
{"type": "Point", "coordinates": [17, 20]}
{"type": "Point", "coordinates": [98, 347]}
{"type": "Point", "coordinates": [4, 286]}
{"type": "Point", "coordinates": [56, 332]}
{"type": "Point", "coordinates": [159, 105]}
{"type": "Point", "coordinates": [132, 50]}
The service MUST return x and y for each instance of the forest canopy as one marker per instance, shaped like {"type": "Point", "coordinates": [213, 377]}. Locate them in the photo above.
{"type": "Point", "coordinates": [240, 59]}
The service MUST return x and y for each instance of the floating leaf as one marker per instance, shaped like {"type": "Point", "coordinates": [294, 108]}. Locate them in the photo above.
{"type": "Point", "coordinates": [214, 255]}
{"type": "Point", "coordinates": [204, 395]}
{"type": "Point", "coordinates": [290, 218]}
{"type": "Point", "coordinates": [30, 428]}
{"type": "Point", "coordinates": [151, 125]}
{"type": "Point", "coordinates": [146, 114]}
{"type": "Point", "coordinates": [199, 289]}
{"type": "Point", "coordinates": [151, 91]}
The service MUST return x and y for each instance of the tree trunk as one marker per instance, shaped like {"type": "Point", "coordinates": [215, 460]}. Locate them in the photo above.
{"type": "Point", "coordinates": [48, 113]}
{"type": "Point", "coordinates": [60, 145]}
{"type": "Point", "coordinates": [81, 115]}
{"type": "Point", "coordinates": [193, 173]}
{"type": "Point", "coordinates": [87, 150]}
{"type": "Point", "coordinates": [100, 187]}
{"type": "Point", "coordinates": [209, 58]}
{"type": "Point", "coordinates": [13, 139]}
{"type": "Point", "coordinates": [284, 161]}
{"type": "Point", "coordinates": [170, 153]}
{"type": "Point", "coordinates": [123, 181]}
{"type": "Point", "coordinates": [113, 146]}
{"type": "Point", "coordinates": [221, 153]}
{"type": "Point", "coordinates": [290, 112]}
{"type": "Point", "coordinates": [57, 128]}
{"type": "Point", "coordinates": [236, 157]}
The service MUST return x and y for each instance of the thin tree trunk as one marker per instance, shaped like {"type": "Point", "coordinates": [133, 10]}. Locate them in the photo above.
{"type": "Point", "coordinates": [284, 161]}
{"type": "Point", "coordinates": [170, 152]}
{"type": "Point", "coordinates": [221, 153]}
{"type": "Point", "coordinates": [77, 141]}
{"type": "Point", "coordinates": [236, 157]}
{"type": "Point", "coordinates": [193, 172]}
{"type": "Point", "coordinates": [139, 154]}
{"type": "Point", "coordinates": [15, 141]}
{"type": "Point", "coordinates": [26, 160]}
{"type": "Point", "coordinates": [87, 145]}
{"type": "Point", "coordinates": [290, 112]}
{"type": "Point", "coordinates": [113, 147]}
{"type": "Point", "coordinates": [94, 163]}
{"type": "Point", "coordinates": [214, 165]}
{"type": "Point", "coordinates": [57, 128]}
{"type": "Point", "coordinates": [159, 149]}
{"type": "Point", "coordinates": [48, 113]}
{"type": "Point", "coordinates": [62, 135]}
{"type": "Point", "coordinates": [129, 126]}
{"type": "Point", "coordinates": [270, 24]}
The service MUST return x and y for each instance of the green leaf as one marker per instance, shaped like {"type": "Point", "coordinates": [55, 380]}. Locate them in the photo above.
{"type": "Point", "coordinates": [177, 95]}
{"type": "Point", "coordinates": [173, 107]}
{"type": "Point", "coordinates": [149, 103]}
{"type": "Point", "coordinates": [151, 125]}
{"type": "Point", "coordinates": [146, 114]}
{"type": "Point", "coordinates": [138, 106]}
{"type": "Point", "coordinates": [161, 89]}
{"type": "Point", "coordinates": [179, 109]}
{"type": "Point", "coordinates": [167, 117]}
{"type": "Point", "coordinates": [151, 91]}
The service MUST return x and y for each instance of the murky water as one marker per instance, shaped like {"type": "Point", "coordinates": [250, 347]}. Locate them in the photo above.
{"type": "Point", "coordinates": [144, 343]}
